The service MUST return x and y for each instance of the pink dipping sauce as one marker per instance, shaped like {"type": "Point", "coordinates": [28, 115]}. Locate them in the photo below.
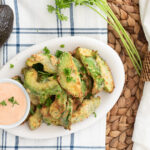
{"type": "Point", "coordinates": [11, 114]}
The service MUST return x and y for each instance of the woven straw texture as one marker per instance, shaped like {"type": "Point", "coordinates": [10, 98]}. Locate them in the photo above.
{"type": "Point", "coordinates": [145, 76]}
{"type": "Point", "coordinates": [120, 120]}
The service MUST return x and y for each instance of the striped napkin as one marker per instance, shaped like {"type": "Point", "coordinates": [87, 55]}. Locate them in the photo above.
{"type": "Point", "coordinates": [33, 24]}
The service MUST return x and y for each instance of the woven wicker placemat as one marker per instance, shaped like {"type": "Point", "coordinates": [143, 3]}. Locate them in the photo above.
{"type": "Point", "coordinates": [120, 120]}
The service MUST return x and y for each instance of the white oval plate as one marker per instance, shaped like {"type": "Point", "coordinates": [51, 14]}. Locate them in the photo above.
{"type": "Point", "coordinates": [107, 100]}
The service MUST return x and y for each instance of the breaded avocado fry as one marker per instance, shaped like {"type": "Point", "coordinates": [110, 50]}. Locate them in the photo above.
{"type": "Point", "coordinates": [87, 57]}
{"type": "Point", "coordinates": [69, 77]}
{"type": "Point", "coordinates": [35, 120]}
{"type": "Point", "coordinates": [85, 109]}
{"type": "Point", "coordinates": [41, 89]}
{"type": "Point", "coordinates": [85, 79]}
{"type": "Point", "coordinates": [48, 61]}
{"type": "Point", "coordinates": [65, 119]}
{"type": "Point", "coordinates": [106, 74]}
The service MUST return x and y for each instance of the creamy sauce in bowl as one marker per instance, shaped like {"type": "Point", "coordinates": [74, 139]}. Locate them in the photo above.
{"type": "Point", "coordinates": [14, 104]}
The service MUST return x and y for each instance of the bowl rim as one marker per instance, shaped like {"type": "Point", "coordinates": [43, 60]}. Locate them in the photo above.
{"type": "Point", "coordinates": [7, 80]}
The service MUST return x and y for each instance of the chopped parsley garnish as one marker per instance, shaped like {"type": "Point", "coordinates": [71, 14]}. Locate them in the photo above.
{"type": "Point", "coordinates": [94, 113]}
{"type": "Point", "coordinates": [48, 102]}
{"type": "Point", "coordinates": [13, 101]}
{"type": "Point", "coordinates": [67, 71]}
{"type": "Point", "coordinates": [39, 106]}
{"type": "Point", "coordinates": [81, 75]}
{"type": "Point", "coordinates": [83, 69]}
{"type": "Point", "coordinates": [31, 111]}
{"type": "Point", "coordinates": [3, 103]}
{"type": "Point", "coordinates": [69, 79]}
{"type": "Point", "coordinates": [58, 53]}
{"type": "Point", "coordinates": [88, 96]}
{"type": "Point", "coordinates": [54, 76]}
{"type": "Point", "coordinates": [58, 96]}
{"type": "Point", "coordinates": [11, 66]}
{"type": "Point", "coordinates": [62, 45]}
{"type": "Point", "coordinates": [46, 51]}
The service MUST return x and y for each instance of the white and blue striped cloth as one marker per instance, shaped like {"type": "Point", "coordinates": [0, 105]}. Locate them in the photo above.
{"type": "Point", "coordinates": [32, 25]}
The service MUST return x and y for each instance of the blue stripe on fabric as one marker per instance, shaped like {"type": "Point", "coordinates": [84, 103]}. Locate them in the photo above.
{"type": "Point", "coordinates": [76, 147]}
{"type": "Point", "coordinates": [45, 29]}
{"type": "Point", "coordinates": [72, 142]}
{"type": "Point", "coordinates": [3, 132]}
{"type": "Point", "coordinates": [17, 50]}
{"type": "Point", "coordinates": [58, 33]}
{"type": "Point", "coordinates": [57, 20]}
{"type": "Point", "coordinates": [60, 143]}
{"type": "Point", "coordinates": [3, 54]}
{"type": "Point", "coordinates": [20, 45]}
{"type": "Point", "coordinates": [6, 52]}
{"type": "Point", "coordinates": [2, 139]}
{"type": "Point", "coordinates": [57, 143]}
{"type": "Point", "coordinates": [61, 33]}
{"type": "Point", "coordinates": [60, 25]}
{"type": "Point", "coordinates": [5, 140]}
{"type": "Point", "coordinates": [71, 20]}
{"type": "Point", "coordinates": [16, 142]}
{"type": "Point", "coordinates": [17, 25]}
{"type": "Point", "coordinates": [57, 25]}
{"type": "Point", "coordinates": [3, 2]}
{"type": "Point", "coordinates": [72, 34]}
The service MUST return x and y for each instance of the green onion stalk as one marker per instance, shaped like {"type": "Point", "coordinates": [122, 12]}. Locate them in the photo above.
{"type": "Point", "coordinates": [102, 6]}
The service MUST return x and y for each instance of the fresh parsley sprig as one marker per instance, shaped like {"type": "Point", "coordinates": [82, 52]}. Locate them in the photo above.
{"type": "Point", "coordinates": [13, 101]}
{"type": "Point", "coordinates": [3, 103]}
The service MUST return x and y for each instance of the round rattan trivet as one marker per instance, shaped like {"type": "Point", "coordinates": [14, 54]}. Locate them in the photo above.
{"type": "Point", "coordinates": [120, 120]}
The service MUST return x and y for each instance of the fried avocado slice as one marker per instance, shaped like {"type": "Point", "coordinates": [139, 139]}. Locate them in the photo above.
{"type": "Point", "coordinates": [69, 77]}
{"type": "Point", "coordinates": [61, 118]}
{"type": "Point", "coordinates": [65, 119]}
{"type": "Point", "coordinates": [106, 74]}
{"type": "Point", "coordinates": [34, 99]}
{"type": "Point", "coordinates": [88, 58]}
{"type": "Point", "coordinates": [54, 110]}
{"type": "Point", "coordinates": [59, 105]}
{"type": "Point", "coordinates": [47, 118]}
{"type": "Point", "coordinates": [32, 109]}
{"type": "Point", "coordinates": [41, 89]}
{"type": "Point", "coordinates": [35, 120]}
{"type": "Point", "coordinates": [61, 100]}
{"type": "Point", "coordinates": [85, 80]}
{"type": "Point", "coordinates": [48, 61]}
{"type": "Point", "coordinates": [17, 78]}
{"type": "Point", "coordinates": [45, 115]}
{"type": "Point", "coordinates": [85, 109]}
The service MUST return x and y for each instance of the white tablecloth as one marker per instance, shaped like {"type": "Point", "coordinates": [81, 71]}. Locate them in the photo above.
{"type": "Point", "coordinates": [33, 24]}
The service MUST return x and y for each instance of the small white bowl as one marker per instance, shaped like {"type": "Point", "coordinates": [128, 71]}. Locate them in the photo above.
{"type": "Point", "coordinates": [27, 100]}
